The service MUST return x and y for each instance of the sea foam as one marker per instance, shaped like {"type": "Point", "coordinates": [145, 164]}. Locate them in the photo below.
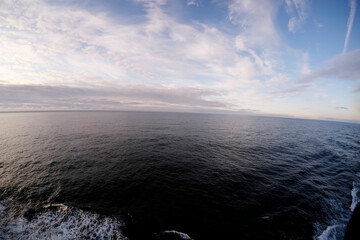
{"type": "Point", "coordinates": [172, 234]}
{"type": "Point", "coordinates": [58, 222]}
{"type": "Point", "coordinates": [354, 194]}
{"type": "Point", "coordinates": [337, 230]}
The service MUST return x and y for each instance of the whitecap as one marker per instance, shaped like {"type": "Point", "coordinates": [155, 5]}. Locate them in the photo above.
{"type": "Point", "coordinates": [180, 234]}
{"type": "Point", "coordinates": [60, 206]}
{"type": "Point", "coordinates": [61, 223]}
{"type": "Point", "coordinates": [354, 194]}
{"type": "Point", "coordinates": [338, 224]}
{"type": "Point", "coordinates": [331, 232]}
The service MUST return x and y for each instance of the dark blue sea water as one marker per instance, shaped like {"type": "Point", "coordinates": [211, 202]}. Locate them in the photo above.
{"type": "Point", "coordinates": [137, 175]}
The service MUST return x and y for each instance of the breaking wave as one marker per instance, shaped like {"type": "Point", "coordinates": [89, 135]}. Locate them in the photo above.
{"type": "Point", "coordinates": [57, 221]}
{"type": "Point", "coordinates": [354, 194]}
{"type": "Point", "coordinates": [337, 228]}
{"type": "Point", "coordinates": [172, 234]}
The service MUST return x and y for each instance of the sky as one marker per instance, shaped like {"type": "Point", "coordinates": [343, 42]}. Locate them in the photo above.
{"type": "Point", "coordinates": [292, 58]}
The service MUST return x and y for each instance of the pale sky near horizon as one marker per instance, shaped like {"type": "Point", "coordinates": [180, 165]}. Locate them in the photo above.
{"type": "Point", "coordinates": [296, 58]}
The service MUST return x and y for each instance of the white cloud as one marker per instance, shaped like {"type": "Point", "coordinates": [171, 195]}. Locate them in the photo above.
{"type": "Point", "coordinates": [173, 63]}
{"type": "Point", "coordinates": [341, 67]}
{"type": "Point", "coordinates": [107, 98]}
{"type": "Point", "coordinates": [256, 21]}
{"type": "Point", "coordinates": [298, 12]}
{"type": "Point", "coordinates": [63, 40]}
{"type": "Point", "coordinates": [193, 3]}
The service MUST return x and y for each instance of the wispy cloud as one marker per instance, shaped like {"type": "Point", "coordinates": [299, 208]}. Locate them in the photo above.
{"type": "Point", "coordinates": [256, 20]}
{"type": "Point", "coordinates": [79, 55]}
{"type": "Point", "coordinates": [341, 108]}
{"type": "Point", "coordinates": [298, 11]}
{"type": "Point", "coordinates": [119, 98]}
{"type": "Point", "coordinates": [59, 44]}
{"type": "Point", "coordinates": [59, 40]}
{"type": "Point", "coordinates": [342, 67]}
{"type": "Point", "coordinates": [352, 4]}
{"type": "Point", "coordinates": [294, 90]}
{"type": "Point", "coordinates": [193, 3]}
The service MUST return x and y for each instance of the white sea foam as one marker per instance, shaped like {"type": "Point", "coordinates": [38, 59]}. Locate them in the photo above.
{"type": "Point", "coordinates": [56, 224]}
{"type": "Point", "coordinates": [336, 231]}
{"type": "Point", "coordinates": [60, 206]}
{"type": "Point", "coordinates": [182, 235]}
{"type": "Point", "coordinates": [354, 194]}
{"type": "Point", "coordinates": [331, 232]}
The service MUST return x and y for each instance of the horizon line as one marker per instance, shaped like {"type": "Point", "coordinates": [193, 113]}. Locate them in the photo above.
{"type": "Point", "coordinates": [214, 113]}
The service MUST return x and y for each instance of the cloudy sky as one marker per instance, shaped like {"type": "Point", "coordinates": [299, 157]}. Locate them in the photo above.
{"type": "Point", "coordinates": [294, 58]}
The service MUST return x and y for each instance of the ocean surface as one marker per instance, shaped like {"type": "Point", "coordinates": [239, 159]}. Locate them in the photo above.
{"type": "Point", "coordinates": [139, 175]}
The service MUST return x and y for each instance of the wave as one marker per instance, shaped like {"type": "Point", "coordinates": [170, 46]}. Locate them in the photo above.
{"type": "Point", "coordinates": [58, 221]}
{"type": "Point", "coordinates": [172, 234]}
{"type": "Point", "coordinates": [332, 232]}
{"type": "Point", "coordinates": [354, 194]}
{"type": "Point", "coordinates": [337, 229]}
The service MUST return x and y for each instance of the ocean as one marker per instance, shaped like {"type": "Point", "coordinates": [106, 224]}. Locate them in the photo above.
{"type": "Point", "coordinates": [147, 175]}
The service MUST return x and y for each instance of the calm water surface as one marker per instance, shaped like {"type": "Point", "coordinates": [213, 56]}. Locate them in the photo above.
{"type": "Point", "coordinates": [133, 175]}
